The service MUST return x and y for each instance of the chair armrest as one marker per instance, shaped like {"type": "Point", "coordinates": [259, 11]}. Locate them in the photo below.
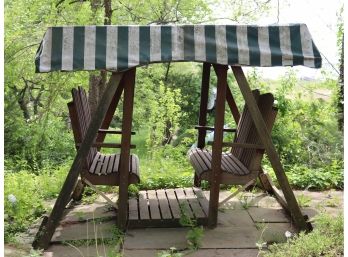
{"type": "Point", "coordinates": [240, 145]}
{"type": "Point", "coordinates": [108, 131]}
{"type": "Point", "coordinates": [106, 145]}
{"type": "Point", "coordinates": [212, 128]}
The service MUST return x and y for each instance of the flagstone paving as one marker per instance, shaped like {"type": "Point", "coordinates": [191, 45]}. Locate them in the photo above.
{"type": "Point", "coordinates": [243, 221]}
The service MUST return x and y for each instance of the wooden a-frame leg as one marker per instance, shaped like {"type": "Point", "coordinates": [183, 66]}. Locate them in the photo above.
{"type": "Point", "coordinates": [129, 83]}
{"type": "Point", "coordinates": [215, 175]}
{"type": "Point", "coordinates": [265, 136]}
{"type": "Point", "coordinates": [48, 226]}
{"type": "Point", "coordinates": [202, 120]}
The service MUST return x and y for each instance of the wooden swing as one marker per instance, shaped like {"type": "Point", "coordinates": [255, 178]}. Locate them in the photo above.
{"type": "Point", "coordinates": [97, 168]}
{"type": "Point", "coordinates": [121, 49]}
{"type": "Point", "coordinates": [243, 162]}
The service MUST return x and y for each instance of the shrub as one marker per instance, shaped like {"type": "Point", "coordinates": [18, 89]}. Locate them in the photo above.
{"type": "Point", "coordinates": [325, 240]}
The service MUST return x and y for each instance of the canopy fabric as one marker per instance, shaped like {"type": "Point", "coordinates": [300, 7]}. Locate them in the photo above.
{"type": "Point", "coordinates": [71, 48]}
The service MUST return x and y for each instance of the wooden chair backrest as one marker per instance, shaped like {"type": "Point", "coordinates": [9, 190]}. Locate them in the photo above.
{"type": "Point", "coordinates": [80, 116]}
{"type": "Point", "coordinates": [247, 133]}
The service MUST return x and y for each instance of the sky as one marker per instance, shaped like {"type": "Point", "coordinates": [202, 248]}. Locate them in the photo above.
{"type": "Point", "coordinates": [321, 19]}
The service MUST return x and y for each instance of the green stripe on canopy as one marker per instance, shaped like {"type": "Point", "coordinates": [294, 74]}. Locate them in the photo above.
{"type": "Point", "coordinates": [117, 48]}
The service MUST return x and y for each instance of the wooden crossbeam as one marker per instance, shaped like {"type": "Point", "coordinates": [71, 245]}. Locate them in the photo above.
{"type": "Point", "coordinates": [46, 230]}
{"type": "Point", "coordinates": [266, 139]}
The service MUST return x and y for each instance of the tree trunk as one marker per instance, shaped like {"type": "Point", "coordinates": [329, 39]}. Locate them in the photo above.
{"type": "Point", "coordinates": [97, 83]}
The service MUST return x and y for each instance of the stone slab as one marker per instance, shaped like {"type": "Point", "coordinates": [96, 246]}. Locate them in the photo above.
{"type": "Point", "coordinates": [88, 212]}
{"type": "Point", "coordinates": [156, 238]}
{"type": "Point", "coordinates": [265, 201]}
{"type": "Point", "coordinates": [85, 230]}
{"type": "Point", "coordinates": [310, 212]}
{"type": "Point", "coordinates": [234, 218]}
{"type": "Point", "coordinates": [198, 253]}
{"type": "Point", "coordinates": [323, 198]}
{"type": "Point", "coordinates": [230, 237]}
{"type": "Point", "coordinates": [11, 251]}
{"type": "Point", "coordinates": [224, 253]}
{"type": "Point", "coordinates": [70, 251]}
{"type": "Point", "coordinates": [232, 203]}
{"type": "Point", "coordinates": [275, 232]}
{"type": "Point", "coordinates": [267, 215]}
{"type": "Point", "coordinates": [141, 253]}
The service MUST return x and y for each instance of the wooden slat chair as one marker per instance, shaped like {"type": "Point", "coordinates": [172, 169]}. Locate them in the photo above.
{"type": "Point", "coordinates": [243, 163]}
{"type": "Point", "coordinates": [98, 168]}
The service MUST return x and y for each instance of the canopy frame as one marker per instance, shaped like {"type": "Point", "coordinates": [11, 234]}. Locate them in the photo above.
{"type": "Point", "coordinates": [125, 81]}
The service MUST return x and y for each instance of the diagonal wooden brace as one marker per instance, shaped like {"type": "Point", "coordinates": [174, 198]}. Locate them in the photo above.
{"type": "Point", "coordinates": [266, 139]}
{"type": "Point", "coordinates": [47, 228]}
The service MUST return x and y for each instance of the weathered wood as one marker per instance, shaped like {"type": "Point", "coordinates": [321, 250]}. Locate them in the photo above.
{"type": "Point", "coordinates": [164, 208]}
{"type": "Point", "coordinates": [243, 145]}
{"type": "Point", "coordinates": [163, 203]}
{"type": "Point", "coordinates": [232, 104]}
{"type": "Point", "coordinates": [221, 73]}
{"type": "Point", "coordinates": [129, 83]}
{"type": "Point", "coordinates": [42, 240]}
{"type": "Point", "coordinates": [107, 145]}
{"type": "Point", "coordinates": [270, 149]}
{"type": "Point", "coordinates": [202, 200]}
{"type": "Point", "coordinates": [173, 203]}
{"type": "Point", "coordinates": [154, 205]}
{"type": "Point", "coordinates": [110, 112]}
{"type": "Point", "coordinates": [143, 206]}
{"type": "Point", "coordinates": [78, 191]}
{"type": "Point", "coordinates": [133, 209]}
{"type": "Point", "coordinates": [115, 132]}
{"type": "Point", "coordinates": [183, 203]}
{"type": "Point", "coordinates": [212, 128]}
{"type": "Point", "coordinates": [100, 193]}
{"type": "Point", "coordinates": [251, 182]}
{"type": "Point", "coordinates": [202, 119]}
{"type": "Point", "coordinates": [271, 188]}
{"type": "Point", "coordinates": [192, 199]}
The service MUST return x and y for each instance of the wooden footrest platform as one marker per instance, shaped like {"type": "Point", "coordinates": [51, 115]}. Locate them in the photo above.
{"type": "Point", "coordinates": [164, 207]}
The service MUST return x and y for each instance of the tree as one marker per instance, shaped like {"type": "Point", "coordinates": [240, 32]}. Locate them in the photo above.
{"type": "Point", "coordinates": [340, 36]}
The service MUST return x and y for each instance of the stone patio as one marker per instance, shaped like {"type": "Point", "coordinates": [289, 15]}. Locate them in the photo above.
{"type": "Point", "coordinates": [243, 221]}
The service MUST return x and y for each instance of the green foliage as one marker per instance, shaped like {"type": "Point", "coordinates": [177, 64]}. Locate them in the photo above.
{"type": "Point", "coordinates": [303, 200]}
{"type": "Point", "coordinates": [29, 191]}
{"type": "Point", "coordinates": [172, 252]}
{"type": "Point", "coordinates": [195, 234]}
{"type": "Point", "coordinates": [325, 240]}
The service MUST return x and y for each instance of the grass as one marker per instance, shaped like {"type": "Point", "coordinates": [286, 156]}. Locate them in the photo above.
{"type": "Point", "coordinates": [325, 240]}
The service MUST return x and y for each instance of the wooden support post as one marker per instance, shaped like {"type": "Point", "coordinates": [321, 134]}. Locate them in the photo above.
{"type": "Point", "coordinates": [265, 136]}
{"type": "Point", "coordinates": [221, 73]}
{"type": "Point", "coordinates": [47, 228]}
{"type": "Point", "coordinates": [129, 83]}
{"type": "Point", "coordinates": [202, 120]}
{"type": "Point", "coordinates": [232, 104]}
{"type": "Point", "coordinates": [110, 112]}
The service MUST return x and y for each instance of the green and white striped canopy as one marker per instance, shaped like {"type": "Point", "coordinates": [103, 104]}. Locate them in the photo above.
{"type": "Point", "coordinates": [117, 48]}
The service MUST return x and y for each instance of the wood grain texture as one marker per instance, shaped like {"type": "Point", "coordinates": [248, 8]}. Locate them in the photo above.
{"type": "Point", "coordinates": [265, 137]}
{"type": "Point", "coordinates": [44, 237]}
